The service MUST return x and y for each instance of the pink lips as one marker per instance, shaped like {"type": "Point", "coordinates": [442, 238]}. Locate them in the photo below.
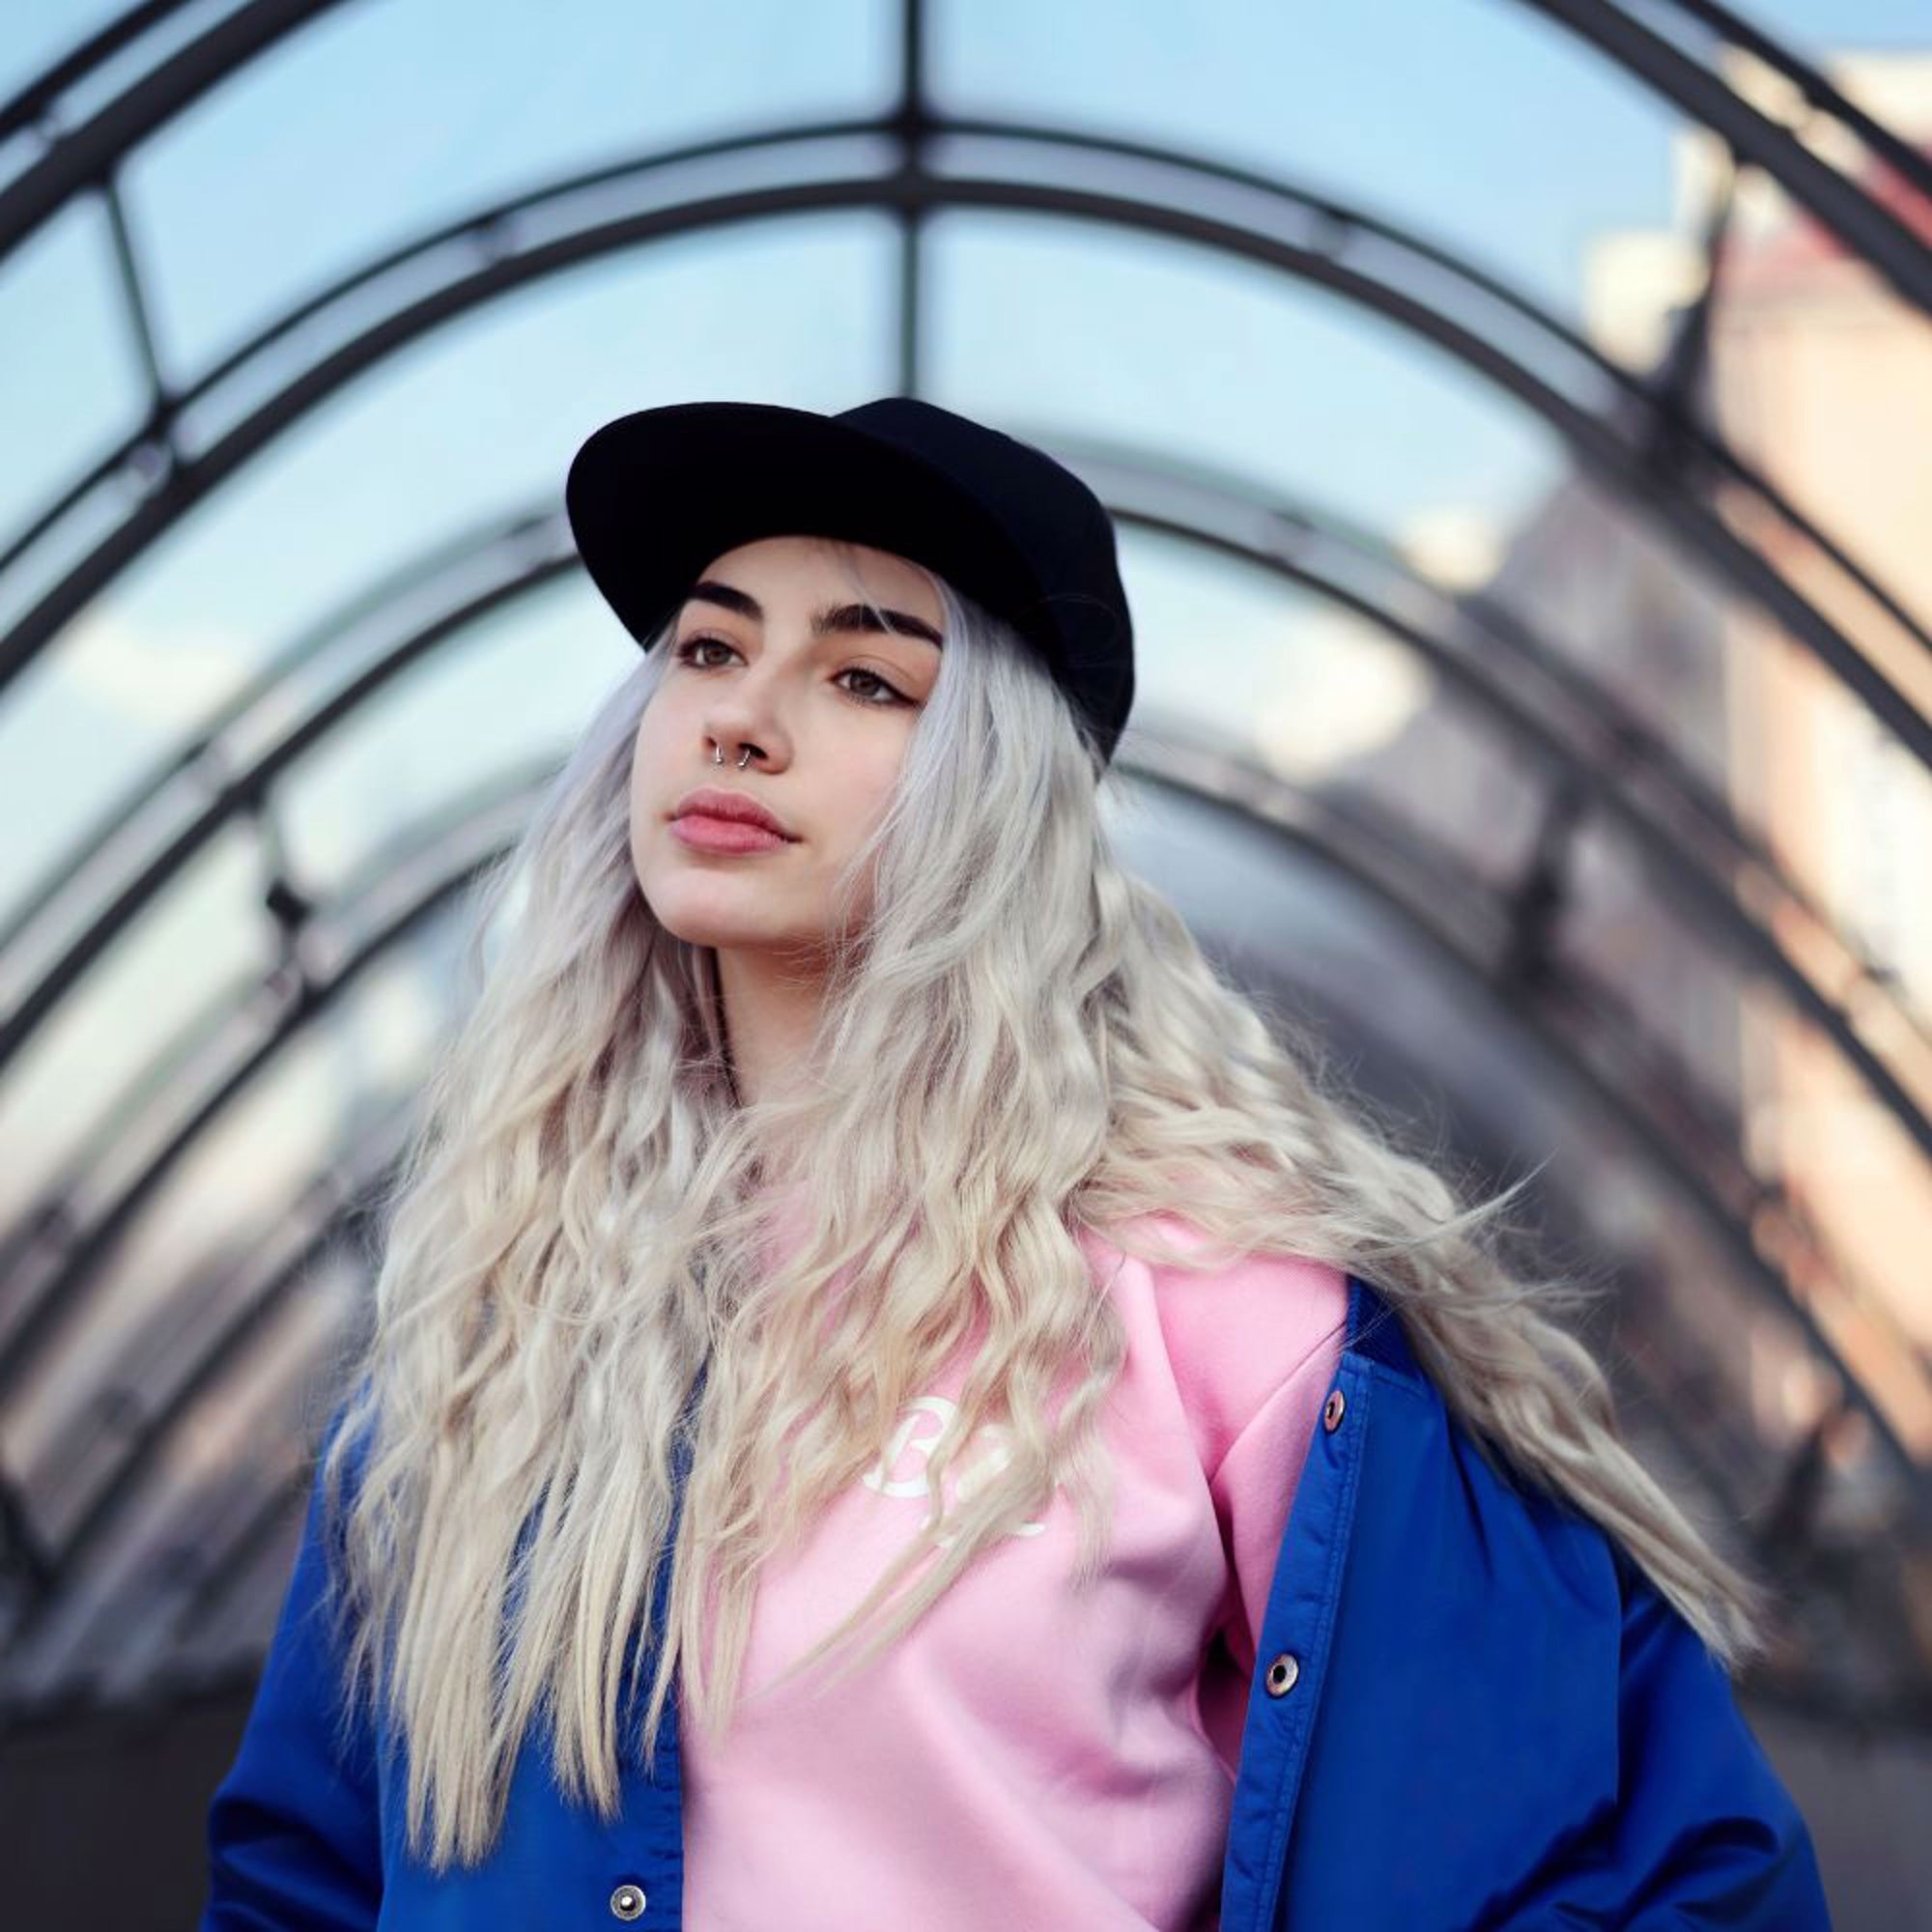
{"type": "Point", "coordinates": [725, 835]}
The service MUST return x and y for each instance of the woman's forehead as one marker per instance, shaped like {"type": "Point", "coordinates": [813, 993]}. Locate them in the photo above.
{"type": "Point", "coordinates": [837, 563]}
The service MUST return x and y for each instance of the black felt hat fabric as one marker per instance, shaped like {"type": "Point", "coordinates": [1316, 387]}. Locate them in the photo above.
{"type": "Point", "coordinates": [653, 496]}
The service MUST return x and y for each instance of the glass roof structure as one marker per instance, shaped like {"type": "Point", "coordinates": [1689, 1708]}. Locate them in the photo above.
{"type": "Point", "coordinates": [1472, 579]}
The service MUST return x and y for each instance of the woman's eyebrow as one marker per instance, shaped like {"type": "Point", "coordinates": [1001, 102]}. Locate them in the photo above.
{"type": "Point", "coordinates": [833, 617]}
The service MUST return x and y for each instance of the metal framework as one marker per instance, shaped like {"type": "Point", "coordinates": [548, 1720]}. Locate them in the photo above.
{"type": "Point", "coordinates": [1638, 438]}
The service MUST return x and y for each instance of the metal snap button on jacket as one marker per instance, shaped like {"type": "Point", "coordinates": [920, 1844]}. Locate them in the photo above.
{"type": "Point", "coordinates": [628, 1902]}
{"type": "Point", "coordinates": [1331, 1410]}
{"type": "Point", "coordinates": [1282, 1673]}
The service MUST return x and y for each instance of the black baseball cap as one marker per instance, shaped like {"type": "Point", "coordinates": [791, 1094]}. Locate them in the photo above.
{"type": "Point", "coordinates": [653, 496]}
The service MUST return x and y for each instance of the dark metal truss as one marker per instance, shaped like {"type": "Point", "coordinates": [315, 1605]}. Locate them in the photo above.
{"type": "Point", "coordinates": [1683, 1139]}
{"type": "Point", "coordinates": [1639, 436]}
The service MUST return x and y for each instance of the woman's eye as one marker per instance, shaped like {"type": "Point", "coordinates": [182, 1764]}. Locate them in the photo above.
{"type": "Point", "coordinates": [892, 695]}
{"type": "Point", "coordinates": [689, 647]}
{"type": "Point", "coordinates": [688, 650]}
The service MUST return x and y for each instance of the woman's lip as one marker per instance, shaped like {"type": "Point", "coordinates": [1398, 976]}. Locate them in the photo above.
{"type": "Point", "coordinates": [725, 835]}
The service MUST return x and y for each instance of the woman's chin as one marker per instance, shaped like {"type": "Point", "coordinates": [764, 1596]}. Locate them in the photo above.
{"type": "Point", "coordinates": [699, 920]}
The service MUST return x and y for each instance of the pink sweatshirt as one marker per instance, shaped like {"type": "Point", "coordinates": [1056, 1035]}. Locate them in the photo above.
{"type": "Point", "coordinates": [1024, 1758]}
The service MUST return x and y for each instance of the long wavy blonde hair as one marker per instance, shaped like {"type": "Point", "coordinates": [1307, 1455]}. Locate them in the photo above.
{"type": "Point", "coordinates": [1019, 1041]}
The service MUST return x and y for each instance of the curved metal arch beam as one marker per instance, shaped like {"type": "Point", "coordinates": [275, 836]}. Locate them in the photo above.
{"type": "Point", "coordinates": [1135, 492]}
{"type": "Point", "coordinates": [912, 122]}
{"type": "Point", "coordinates": [228, 786]}
{"type": "Point", "coordinates": [1596, 443]}
{"type": "Point", "coordinates": [89, 155]}
{"type": "Point", "coordinates": [219, 1568]}
{"type": "Point", "coordinates": [382, 938]}
{"type": "Point", "coordinates": [315, 1219]}
{"type": "Point", "coordinates": [29, 108]}
{"type": "Point", "coordinates": [1368, 857]}
{"type": "Point", "coordinates": [1648, 398]}
{"type": "Point", "coordinates": [1861, 221]}
{"type": "Point", "coordinates": [1138, 486]}
{"type": "Point", "coordinates": [499, 802]}
{"type": "Point", "coordinates": [548, 558]}
{"type": "Point", "coordinates": [47, 1268]}
{"type": "Point", "coordinates": [353, 1191]}
{"type": "Point", "coordinates": [1697, 882]}
{"type": "Point", "coordinates": [1819, 94]}
{"type": "Point", "coordinates": [1364, 858]}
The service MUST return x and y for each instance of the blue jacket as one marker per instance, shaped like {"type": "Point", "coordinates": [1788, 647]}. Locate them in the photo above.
{"type": "Point", "coordinates": [1469, 1709]}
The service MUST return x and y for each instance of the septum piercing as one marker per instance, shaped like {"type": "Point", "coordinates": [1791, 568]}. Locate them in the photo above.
{"type": "Point", "coordinates": [717, 756]}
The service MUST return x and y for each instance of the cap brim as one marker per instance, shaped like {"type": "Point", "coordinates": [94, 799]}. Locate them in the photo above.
{"type": "Point", "coordinates": [654, 496]}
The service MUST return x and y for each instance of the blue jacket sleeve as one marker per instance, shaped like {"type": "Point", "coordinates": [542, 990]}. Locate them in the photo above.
{"type": "Point", "coordinates": [1712, 1833]}
{"type": "Point", "coordinates": [294, 1835]}
{"type": "Point", "coordinates": [1705, 1832]}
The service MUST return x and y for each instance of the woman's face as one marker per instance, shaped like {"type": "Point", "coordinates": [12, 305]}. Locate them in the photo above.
{"type": "Point", "coordinates": [772, 651]}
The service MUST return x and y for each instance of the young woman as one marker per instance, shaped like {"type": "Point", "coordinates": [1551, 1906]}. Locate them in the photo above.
{"type": "Point", "coordinates": [894, 1398]}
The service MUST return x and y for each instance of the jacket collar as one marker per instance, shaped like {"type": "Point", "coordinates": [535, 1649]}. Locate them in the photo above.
{"type": "Point", "coordinates": [1375, 1332]}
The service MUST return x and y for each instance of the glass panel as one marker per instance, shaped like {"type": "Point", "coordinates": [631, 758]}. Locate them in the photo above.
{"type": "Point", "coordinates": [252, 1462]}
{"type": "Point", "coordinates": [1774, 1082]}
{"type": "Point", "coordinates": [1460, 788]}
{"type": "Point", "coordinates": [1264, 665]}
{"type": "Point", "coordinates": [196, 944]}
{"type": "Point", "coordinates": [115, 1621]}
{"type": "Point", "coordinates": [511, 688]}
{"type": "Point", "coordinates": [1799, 762]}
{"type": "Point", "coordinates": [171, 1283]}
{"type": "Point", "coordinates": [1183, 356]}
{"type": "Point", "coordinates": [42, 31]}
{"type": "Point", "coordinates": [71, 387]}
{"type": "Point", "coordinates": [1353, 102]}
{"type": "Point", "coordinates": [374, 123]}
{"type": "Point", "coordinates": [195, 1498]}
{"type": "Point", "coordinates": [478, 421]}
{"type": "Point", "coordinates": [1451, 1062]}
